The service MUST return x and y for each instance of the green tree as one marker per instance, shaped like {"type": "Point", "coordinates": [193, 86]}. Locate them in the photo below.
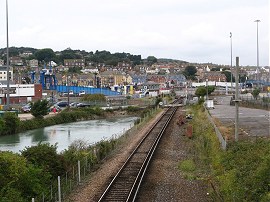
{"type": "Point", "coordinates": [13, 51]}
{"type": "Point", "coordinates": [45, 54]}
{"type": "Point", "coordinates": [2, 126]}
{"type": "Point", "coordinates": [40, 108]}
{"type": "Point", "coordinates": [190, 72]}
{"type": "Point", "coordinates": [255, 93]}
{"type": "Point", "coordinates": [211, 89]}
{"type": "Point", "coordinates": [200, 91]}
{"type": "Point", "coordinates": [151, 60]}
{"type": "Point", "coordinates": [11, 123]}
{"type": "Point", "coordinates": [228, 76]}
{"type": "Point", "coordinates": [12, 166]}
{"type": "Point", "coordinates": [20, 181]}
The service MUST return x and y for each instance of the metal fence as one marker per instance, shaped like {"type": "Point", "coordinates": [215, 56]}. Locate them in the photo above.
{"type": "Point", "coordinates": [262, 102]}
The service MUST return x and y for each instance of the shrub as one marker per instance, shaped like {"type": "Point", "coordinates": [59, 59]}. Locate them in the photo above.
{"type": "Point", "coordinates": [187, 166]}
{"type": "Point", "coordinates": [12, 123]}
{"type": "Point", "coordinates": [40, 108]}
{"type": "Point", "coordinates": [131, 109]}
{"type": "Point", "coordinates": [45, 156]}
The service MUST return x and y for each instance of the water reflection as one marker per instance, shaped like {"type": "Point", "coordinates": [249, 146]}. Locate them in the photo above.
{"type": "Point", "coordinates": [38, 135]}
{"type": "Point", "coordinates": [89, 131]}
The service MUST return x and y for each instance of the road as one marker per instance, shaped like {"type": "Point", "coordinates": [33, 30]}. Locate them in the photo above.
{"type": "Point", "coordinates": [252, 122]}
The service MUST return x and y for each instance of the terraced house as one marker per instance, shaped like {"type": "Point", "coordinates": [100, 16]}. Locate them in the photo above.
{"type": "Point", "coordinates": [74, 63]}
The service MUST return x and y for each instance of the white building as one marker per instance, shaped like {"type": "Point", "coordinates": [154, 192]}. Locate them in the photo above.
{"type": "Point", "coordinates": [3, 73]}
{"type": "Point", "coordinates": [33, 63]}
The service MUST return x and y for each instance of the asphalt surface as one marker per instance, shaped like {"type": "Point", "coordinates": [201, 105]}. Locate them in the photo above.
{"type": "Point", "coordinates": [252, 122]}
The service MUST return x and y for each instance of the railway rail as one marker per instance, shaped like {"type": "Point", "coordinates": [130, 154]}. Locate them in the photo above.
{"type": "Point", "coordinates": [126, 183]}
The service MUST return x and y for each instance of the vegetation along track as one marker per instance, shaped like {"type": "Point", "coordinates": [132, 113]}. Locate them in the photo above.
{"type": "Point", "coordinates": [126, 183]}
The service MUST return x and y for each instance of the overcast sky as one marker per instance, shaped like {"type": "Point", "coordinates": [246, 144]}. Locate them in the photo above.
{"type": "Point", "coordinates": [190, 30]}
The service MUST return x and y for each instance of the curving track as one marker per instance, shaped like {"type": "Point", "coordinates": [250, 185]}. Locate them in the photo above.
{"type": "Point", "coordinates": [126, 183]}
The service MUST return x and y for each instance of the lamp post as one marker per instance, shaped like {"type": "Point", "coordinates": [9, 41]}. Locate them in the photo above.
{"type": "Point", "coordinates": [206, 90]}
{"type": "Point", "coordinates": [257, 21]}
{"type": "Point", "coordinates": [231, 58]}
{"type": "Point", "coordinates": [7, 101]}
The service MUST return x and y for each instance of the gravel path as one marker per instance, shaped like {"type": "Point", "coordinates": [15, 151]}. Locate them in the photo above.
{"type": "Point", "coordinates": [164, 181]}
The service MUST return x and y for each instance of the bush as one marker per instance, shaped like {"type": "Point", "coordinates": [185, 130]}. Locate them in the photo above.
{"type": "Point", "coordinates": [131, 109]}
{"type": "Point", "coordinates": [19, 180]}
{"type": "Point", "coordinates": [40, 108]}
{"type": "Point", "coordinates": [93, 97]}
{"type": "Point", "coordinates": [11, 123]}
{"type": "Point", "coordinates": [45, 156]}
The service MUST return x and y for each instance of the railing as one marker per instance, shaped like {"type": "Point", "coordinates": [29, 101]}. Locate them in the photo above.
{"type": "Point", "coordinates": [262, 102]}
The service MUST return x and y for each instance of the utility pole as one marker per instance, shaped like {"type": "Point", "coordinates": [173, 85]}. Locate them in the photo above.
{"type": "Point", "coordinates": [236, 100]}
{"type": "Point", "coordinates": [257, 72]}
{"type": "Point", "coordinates": [7, 101]}
{"type": "Point", "coordinates": [231, 59]}
{"type": "Point", "coordinates": [206, 90]}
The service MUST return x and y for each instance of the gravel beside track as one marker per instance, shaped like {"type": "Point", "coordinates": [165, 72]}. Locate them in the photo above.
{"type": "Point", "coordinates": [164, 181]}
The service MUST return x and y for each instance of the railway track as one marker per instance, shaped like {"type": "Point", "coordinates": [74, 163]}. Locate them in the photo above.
{"type": "Point", "coordinates": [126, 183]}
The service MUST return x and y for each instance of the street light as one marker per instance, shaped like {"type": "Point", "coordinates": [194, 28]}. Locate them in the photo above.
{"type": "Point", "coordinates": [231, 59]}
{"type": "Point", "coordinates": [206, 89]}
{"type": "Point", "coordinates": [7, 101]}
{"type": "Point", "coordinates": [257, 21]}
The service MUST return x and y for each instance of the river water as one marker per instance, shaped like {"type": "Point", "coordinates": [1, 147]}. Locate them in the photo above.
{"type": "Point", "coordinates": [90, 131]}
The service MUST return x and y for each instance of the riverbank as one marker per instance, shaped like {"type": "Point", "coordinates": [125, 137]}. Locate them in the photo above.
{"type": "Point", "coordinates": [28, 116]}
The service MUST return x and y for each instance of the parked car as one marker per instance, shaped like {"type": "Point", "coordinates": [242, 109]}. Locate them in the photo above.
{"type": "Point", "coordinates": [26, 108]}
{"type": "Point", "coordinates": [79, 105]}
{"type": "Point", "coordinates": [62, 104]}
{"type": "Point", "coordinates": [66, 94]}
{"type": "Point", "coordinates": [81, 93]}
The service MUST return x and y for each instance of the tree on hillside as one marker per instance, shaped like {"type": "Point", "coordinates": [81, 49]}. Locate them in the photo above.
{"type": "Point", "coordinates": [151, 60]}
{"type": "Point", "coordinates": [13, 51]}
{"type": "Point", "coordinates": [190, 72]}
{"type": "Point", "coordinates": [45, 54]}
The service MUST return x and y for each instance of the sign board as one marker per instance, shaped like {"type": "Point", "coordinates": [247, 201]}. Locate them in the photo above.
{"type": "Point", "coordinates": [5, 90]}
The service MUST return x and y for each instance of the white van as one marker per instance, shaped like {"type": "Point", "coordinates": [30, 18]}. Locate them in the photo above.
{"type": "Point", "coordinates": [81, 93]}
